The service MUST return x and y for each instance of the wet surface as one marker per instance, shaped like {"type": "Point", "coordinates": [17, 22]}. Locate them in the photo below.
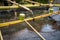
{"type": "Point", "coordinates": [50, 31]}
{"type": "Point", "coordinates": [56, 17]}
{"type": "Point", "coordinates": [48, 28]}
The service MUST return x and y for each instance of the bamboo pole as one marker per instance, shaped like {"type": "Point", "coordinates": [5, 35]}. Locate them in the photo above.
{"type": "Point", "coordinates": [31, 1]}
{"type": "Point", "coordinates": [19, 21]}
{"type": "Point", "coordinates": [15, 7]}
{"type": "Point", "coordinates": [21, 6]}
{"type": "Point", "coordinates": [27, 5]}
{"type": "Point", "coordinates": [8, 7]}
{"type": "Point", "coordinates": [1, 37]}
{"type": "Point", "coordinates": [34, 30]}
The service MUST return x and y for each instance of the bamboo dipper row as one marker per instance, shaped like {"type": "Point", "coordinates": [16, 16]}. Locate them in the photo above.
{"type": "Point", "coordinates": [19, 21]}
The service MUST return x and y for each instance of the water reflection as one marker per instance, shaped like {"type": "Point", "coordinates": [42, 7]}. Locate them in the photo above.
{"type": "Point", "coordinates": [54, 16]}
{"type": "Point", "coordinates": [47, 28]}
{"type": "Point", "coordinates": [25, 34]}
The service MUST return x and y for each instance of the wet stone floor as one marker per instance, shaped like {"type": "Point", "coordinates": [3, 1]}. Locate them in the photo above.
{"type": "Point", "coordinates": [49, 29]}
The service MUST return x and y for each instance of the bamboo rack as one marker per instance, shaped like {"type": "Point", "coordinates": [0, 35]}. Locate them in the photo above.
{"type": "Point", "coordinates": [28, 19]}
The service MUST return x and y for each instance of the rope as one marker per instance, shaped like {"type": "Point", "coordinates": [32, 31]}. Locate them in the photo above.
{"type": "Point", "coordinates": [35, 30]}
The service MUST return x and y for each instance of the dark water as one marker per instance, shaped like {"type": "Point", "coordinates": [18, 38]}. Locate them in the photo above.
{"type": "Point", "coordinates": [49, 31]}
{"type": "Point", "coordinates": [48, 28]}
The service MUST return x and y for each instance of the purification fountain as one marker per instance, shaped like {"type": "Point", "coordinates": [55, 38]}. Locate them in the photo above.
{"type": "Point", "coordinates": [26, 34]}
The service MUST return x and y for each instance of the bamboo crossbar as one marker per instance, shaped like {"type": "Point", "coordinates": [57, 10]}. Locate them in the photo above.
{"type": "Point", "coordinates": [15, 7]}
{"type": "Point", "coordinates": [19, 21]}
{"type": "Point", "coordinates": [27, 5]}
{"type": "Point", "coordinates": [31, 1]}
{"type": "Point", "coordinates": [1, 37]}
{"type": "Point", "coordinates": [8, 7]}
